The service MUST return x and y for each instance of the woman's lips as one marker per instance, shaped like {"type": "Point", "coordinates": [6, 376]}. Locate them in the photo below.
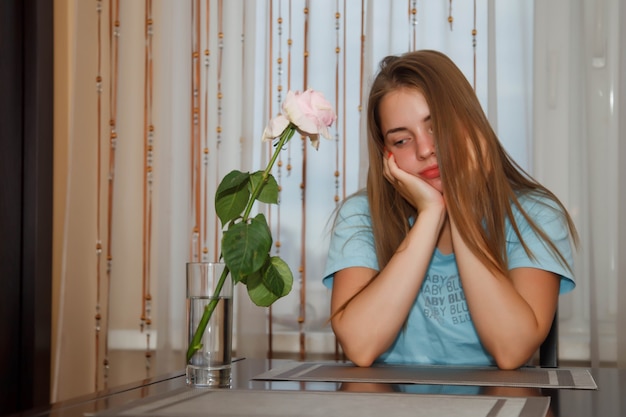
{"type": "Point", "coordinates": [430, 173]}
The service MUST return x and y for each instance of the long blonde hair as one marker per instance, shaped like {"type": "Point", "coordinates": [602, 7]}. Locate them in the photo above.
{"type": "Point", "coordinates": [479, 197]}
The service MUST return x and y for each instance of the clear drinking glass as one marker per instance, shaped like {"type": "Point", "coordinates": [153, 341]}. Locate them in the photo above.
{"type": "Point", "coordinates": [211, 364]}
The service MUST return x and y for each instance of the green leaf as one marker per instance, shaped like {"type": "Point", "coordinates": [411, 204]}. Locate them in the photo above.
{"type": "Point", "coordinates": [244, 279]}
{"type": "Point", "coordinates": [231, 196]}
{"type": "Point", "coordinates": [234, 179]}
{"type": "Point", "coordinates": [274, 281]}
{"type": "Point", "coordinates": [246, 246]}
{"type": "Point", "coordinates": [269, 192]}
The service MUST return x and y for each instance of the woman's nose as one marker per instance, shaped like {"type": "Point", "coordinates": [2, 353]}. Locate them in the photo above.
{"type": "Point", "coordinates": [425, 147]}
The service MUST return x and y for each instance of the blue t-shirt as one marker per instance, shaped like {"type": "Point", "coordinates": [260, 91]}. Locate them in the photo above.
{"type": "Point", "coordinates": [439, 329]}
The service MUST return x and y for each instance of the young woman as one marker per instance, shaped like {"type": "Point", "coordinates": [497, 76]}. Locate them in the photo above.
{"type": "Point", "coordinates": [453, 254]}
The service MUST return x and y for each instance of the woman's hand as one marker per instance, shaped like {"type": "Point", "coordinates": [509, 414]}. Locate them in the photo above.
{"type": "Point", "coordinates": [415, 190]}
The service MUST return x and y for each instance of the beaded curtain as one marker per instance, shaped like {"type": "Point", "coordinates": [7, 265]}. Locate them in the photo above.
{"type": "Point", "coordinates": [182, 93]}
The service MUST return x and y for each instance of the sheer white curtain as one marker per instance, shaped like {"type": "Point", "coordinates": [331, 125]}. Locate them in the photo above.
{"type": "Point", "coordinates": [578, 141]}
{"type": "Point", "coordinates": [520, 74]}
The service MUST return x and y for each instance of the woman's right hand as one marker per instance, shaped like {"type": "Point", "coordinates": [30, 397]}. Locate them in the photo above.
{"type": "Point", "coordinates": [415, 190]}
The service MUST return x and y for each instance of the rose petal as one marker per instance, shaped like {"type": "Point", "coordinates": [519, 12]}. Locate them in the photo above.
{"type": "Point", "coordinates": [306, 124]}
{"type": "Point", "coordinates": [325, 132]}
{"type": "Point", "coordinates": [275, 127]}
{"type": "Point", "coordinates": [315, 141]}
{"type": "Point", "coordinates": [323, 110]}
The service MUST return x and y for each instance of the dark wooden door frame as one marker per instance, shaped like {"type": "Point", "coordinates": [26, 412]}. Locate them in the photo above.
{"type": "Point", "coordinates": [26, 144]}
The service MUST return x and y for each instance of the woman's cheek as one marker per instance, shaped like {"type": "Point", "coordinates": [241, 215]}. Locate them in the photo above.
{"type": "Point", "coordinates": [405, 164]}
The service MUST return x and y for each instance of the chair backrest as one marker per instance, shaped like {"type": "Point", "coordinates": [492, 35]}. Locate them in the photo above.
{"type": "Point", "coordinates": [549, 349]}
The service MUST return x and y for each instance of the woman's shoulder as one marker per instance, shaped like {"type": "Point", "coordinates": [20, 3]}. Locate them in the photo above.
{"type": "Point", "coordinates": [356, 203]}
{"type": "Point", "coordinates": [544, 211]}
{"type": "Point", "coordinates": [353, 211]}
{"type": "Point", "coordinates": [535, 203]}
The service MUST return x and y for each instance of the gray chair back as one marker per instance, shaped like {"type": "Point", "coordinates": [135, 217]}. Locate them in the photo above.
{"type": "Point", "coordinates": [549, 349]}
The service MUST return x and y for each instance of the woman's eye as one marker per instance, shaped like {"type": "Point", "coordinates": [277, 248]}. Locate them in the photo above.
{"type": "Point", "coordinates": [430, 130]}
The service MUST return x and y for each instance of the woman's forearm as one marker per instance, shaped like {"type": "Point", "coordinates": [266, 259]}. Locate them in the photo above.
{"type": "Point", "coordinates": [370, 321]}
{"type": "Point", "coordinates": [512, 314]}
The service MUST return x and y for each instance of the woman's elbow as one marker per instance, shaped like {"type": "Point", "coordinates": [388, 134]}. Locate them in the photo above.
{"type": "Point", "coordinates": [361, 359]}
{"type": "Point", "coordinates": [508, 365]}
{"type": "Point", "coordinates": [509, 361]}
{"type": "Point", "coordinates": [358, 352]}
{"type": "Point", "coordinates": [360, 355]}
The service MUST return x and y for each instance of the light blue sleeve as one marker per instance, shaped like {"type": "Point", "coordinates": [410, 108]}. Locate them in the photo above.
{"type": "Point", "coordinates": [550, 218]}
{"type": "Point", "coordinates": [352, 240]}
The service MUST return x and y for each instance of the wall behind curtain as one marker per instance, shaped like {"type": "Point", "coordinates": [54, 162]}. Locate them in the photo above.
{"type": "Point", "coordinates": [503, 83]}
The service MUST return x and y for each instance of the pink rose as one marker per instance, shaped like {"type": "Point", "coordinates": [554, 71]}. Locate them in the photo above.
{"type": "Point", "coordinates": [308, 111]}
